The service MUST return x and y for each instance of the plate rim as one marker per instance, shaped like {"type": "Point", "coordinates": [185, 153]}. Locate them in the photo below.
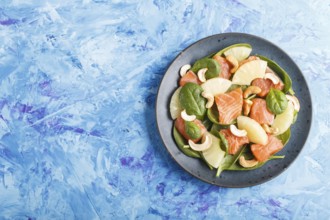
{"type": "Point", "coordinates": [239, 34]}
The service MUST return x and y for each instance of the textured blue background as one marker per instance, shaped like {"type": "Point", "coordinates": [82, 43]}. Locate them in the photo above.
{"type": "Point", "coordinates": [78, 82]}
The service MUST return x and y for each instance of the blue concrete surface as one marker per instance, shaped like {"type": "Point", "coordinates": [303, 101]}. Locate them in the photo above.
{"type": "Point", "coordinates": [78, 83]}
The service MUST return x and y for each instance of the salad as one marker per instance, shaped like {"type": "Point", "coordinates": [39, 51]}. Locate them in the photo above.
{"type": "Point", "coordinates": [233, 110]}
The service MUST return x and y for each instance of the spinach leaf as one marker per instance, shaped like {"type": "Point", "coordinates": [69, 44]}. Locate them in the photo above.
{"type": "Point", "coordinates": [213, 114]}
{"type": "Point", "coordinates": [281, 73]}
{"type": "Point", "coordinates": [215, 130]}
{"type": "Point", "coordinates": [213, 67]}
{"type": "Point", "coordinates": [229, 161]}
{"type": "Point", "coordinates": [224, 142]}
{"type": "Point", "coordinates": [192, 129]}
{"type": "Point", "coordinates": [284, 137]}
{"type": "Point", "coordinates": [181, 142]}
{"type": "Point", "coordinates": [295, 116]}
{"type": "Point", "coordinates": [192, 101]}
{"type": "Point", "coordinates": [207, 123]}
{"type": "Point", "coordinates": [276, 101]}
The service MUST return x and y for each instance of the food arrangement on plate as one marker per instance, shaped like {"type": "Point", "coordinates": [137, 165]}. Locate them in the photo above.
{"type": "Point", "coordinates": [233, 110]}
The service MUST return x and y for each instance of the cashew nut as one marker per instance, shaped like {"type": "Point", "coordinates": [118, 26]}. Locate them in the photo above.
{"type": "Point", "coordinates": [206, 144]}
{"type": "Point", "coordinates": [237, 132]}
{"type": "Point", "coordinates": [210, 99]}
{"type": "Point", "coordinates": [187, 117]}
{"type": "Point", "coordinates": [247, 163]}
{"type": "Point", "coordinates": [272, 77]}
{"type": "Point", "coordinates": [294, 101]}
{"type": "Point", "coordinates": [184, 69]}
{"type": "Point", "coordinates": [233, 61]}
{"type": "Point", "coordinates": [268, 129]}
{"type": "Point", "coordinates": [201, 74]}
{"type": "Point", "coordinates": [247, 106]}
{"type": "Point", "coordinates": [251, 90]}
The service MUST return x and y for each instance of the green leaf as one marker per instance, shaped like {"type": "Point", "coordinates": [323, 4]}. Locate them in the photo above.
{"type": "Point", "coordinates": [207, 123]}
{"type": "Point", "coordinates": [224, 142]}
{"type": "Point", "coordinates": [229, 161]}
{"type": "Point", "coordinates": [213, 67]}
{"type": "Point", "coordinates": [281, 73]}
{"type": "Point", "coordinates": [181, 142]}
{"type": "Point", "coordinates": [192, 101]}
{"type": "Point", "coordinates": [213, 114]}
{"type": "Point", "coordinates": [295, 116]}
{"type": "Point", "coordinates": [192, 130]}
{"type": "Point", "coordinates": [291, 91]}
{"type": "Point", "coordinates": [284, 137]}
{"type": "Point", "coordinates": [215, 130]}
{"type": "Point", "coordinates": [276, 101]}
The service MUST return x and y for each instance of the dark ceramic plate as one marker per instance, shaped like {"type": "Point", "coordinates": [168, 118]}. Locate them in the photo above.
{"type": "Point", "coordinates": [196, 167]}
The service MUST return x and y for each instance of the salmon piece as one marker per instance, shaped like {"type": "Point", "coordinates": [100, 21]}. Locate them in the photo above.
{"type": "Point", "coordinates": [225, 66]}
{"type": "Point", "coordinates": [260, 113]}
{"type": "Point", "coordinates": [180, 126]}
{"type": "Point", "coordinates": [265, 85]}
{"type": "Point", "coordinates": [229, 105]}
{"type": "Point", "coordinates": [190, 76]}
{"type": "Point", "coordinates": [263, 152]}
{"type": "Point", "coordinates": [234, 143]}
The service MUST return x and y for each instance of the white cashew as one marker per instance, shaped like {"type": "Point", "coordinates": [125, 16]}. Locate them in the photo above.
{"type": "Point", "coordinates": [233, 61]}
{"type": "Point", "coordinates": [187, 117]}
{"type": "Point", "coordinates": [247, 163]}
{"type": "Point", "coordinates": [210, 99]}
{"type": "Point", "coordinates": [206, 144]}
{"type": "Point", "coordinates": [247, 106]}
{"type": "Point", "coordinates": [294, 101]}
{"type": "Point", "coordinates": [201, 74]}
{"type": "Point", "coordinates": [272, 77]}
{"type": "Point", "coordinates": [184, 69]}
{"type": "Point", "coordinates": [251, 90]}
{"type": "Point", "coordinates": [268, 129]}
{"type": "Point", "coordinates": [237, 132]}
